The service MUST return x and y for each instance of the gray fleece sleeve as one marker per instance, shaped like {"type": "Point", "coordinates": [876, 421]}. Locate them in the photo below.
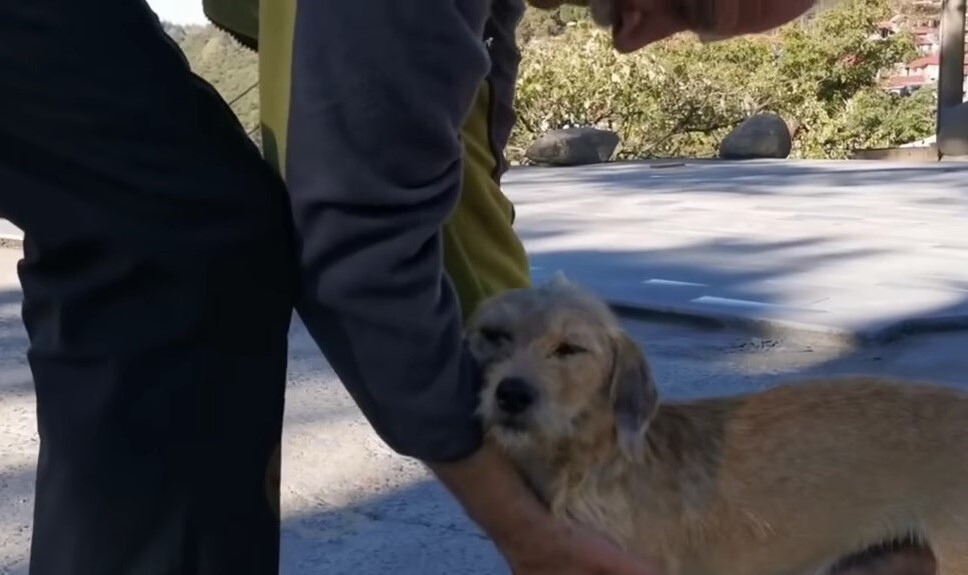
{"type": "Point", "coordinates": [380, 89]}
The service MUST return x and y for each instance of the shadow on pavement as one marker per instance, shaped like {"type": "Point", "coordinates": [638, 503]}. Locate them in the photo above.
{"type": "Point", "coordinates": [748, 177]}
{"type": "Point", "coordinates": [416, 530]}
{"type": "Point", "coordinates": [419, 530]}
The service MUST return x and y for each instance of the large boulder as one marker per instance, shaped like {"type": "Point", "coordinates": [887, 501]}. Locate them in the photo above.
{"type": "Point", "coordinates": [573, 147]}
{"type": "Point", "coordinates": [760, 136]}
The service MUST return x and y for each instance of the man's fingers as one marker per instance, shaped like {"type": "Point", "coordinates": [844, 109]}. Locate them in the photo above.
{"type": "Point", "coordinates": [638, 23]}
{"type": "Point", "coordinates": [626, 568]}
{"type": "Point", "coordinates": [736, 17]}
{"type": "Point", "coordinates": [610, 560]}
{"type": "Point", "coordinates": [636, 29]}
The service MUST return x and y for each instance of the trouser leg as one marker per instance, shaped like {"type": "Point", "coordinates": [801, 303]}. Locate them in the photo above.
{"type": "Point", "coordinates": [482, 252]}
{"type": "Point", "coordinates": [158, 280]}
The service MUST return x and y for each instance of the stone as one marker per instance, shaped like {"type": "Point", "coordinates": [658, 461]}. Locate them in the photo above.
{"type": "Point", "coordinates": [573, 147]}
{"type": "Point", "coordinates": [760, 136]}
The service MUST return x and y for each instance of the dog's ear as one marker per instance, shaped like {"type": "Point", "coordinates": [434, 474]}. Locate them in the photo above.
{"type": "Point", "coordinates": [632, 392]}
{"type": "Point", "coordinates": [558, 280]}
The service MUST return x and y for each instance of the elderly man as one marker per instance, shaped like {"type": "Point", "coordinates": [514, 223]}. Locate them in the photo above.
{"type": "Point", "coordinates": [160, 270]}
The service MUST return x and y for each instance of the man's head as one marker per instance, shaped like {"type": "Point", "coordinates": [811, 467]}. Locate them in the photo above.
{"type": "Point", "coordinates": [637, 23]}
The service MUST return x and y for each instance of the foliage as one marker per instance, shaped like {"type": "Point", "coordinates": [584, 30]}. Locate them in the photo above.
{"type": "Point", "coordinates": [543, 23]}
{"type": "Point", "coordinates": [680, 97]}
{"type": "Point", "coordinates": [231, 68]}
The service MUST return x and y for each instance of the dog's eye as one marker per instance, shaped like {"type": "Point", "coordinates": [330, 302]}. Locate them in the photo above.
{"type": "Point", "coordinates": [568, 349]}
{"type": "Point", "coordinates": [495, 336]}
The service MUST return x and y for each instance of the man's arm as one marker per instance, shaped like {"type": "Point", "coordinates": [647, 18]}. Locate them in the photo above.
{"type": "Point", "coordinates": [380, 89]}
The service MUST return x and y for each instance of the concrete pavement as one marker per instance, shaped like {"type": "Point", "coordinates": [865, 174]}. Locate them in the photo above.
{"type": "Point", "coordinates": [9, 231]}
{"type": "Point", "coordinates": [860, 250]}
{"type": "Point", "coordinates": [352, 507]}
{"type": "Point", "coordinates": [866, 249]}
{"type": "Point", "coordinates": [705, 237]}
{"type": "Point", "coordinates": [10, 235]}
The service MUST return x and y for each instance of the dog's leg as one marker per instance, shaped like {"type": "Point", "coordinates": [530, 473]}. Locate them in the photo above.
{"type": "Point", "coordinates": [952, 552]}
{"type": "Point", "coordinates": [901, 558]}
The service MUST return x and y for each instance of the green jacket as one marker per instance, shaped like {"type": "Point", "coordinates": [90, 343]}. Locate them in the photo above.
{"type": "Point", "coordinates": [388, 120]}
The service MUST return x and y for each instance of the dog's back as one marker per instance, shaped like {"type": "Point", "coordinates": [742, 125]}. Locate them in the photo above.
{"type": "Point", "coordinates": [791, 479]}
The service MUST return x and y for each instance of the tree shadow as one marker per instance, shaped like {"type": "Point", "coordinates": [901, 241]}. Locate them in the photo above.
{"type": "Point", "coordinates": [16, 514]}
{"type": "Point", "coordinates": [803, 178]}
{"type": "Point", "coordinates": [758, 239]}
{"type": "Point", "coordinates": [690, 359]}
{"type": "Point", "coordinates": [419, 529]}
{"type": "Point", "coordinates": [771, 282]}
{"type": "Point", "coordinates": [15, 380]}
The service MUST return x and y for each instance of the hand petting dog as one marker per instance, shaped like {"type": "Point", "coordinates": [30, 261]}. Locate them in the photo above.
{"type": "Point", "coordinates": [530, 539]}
{"type": "Point", "coordinates": [540, 546]}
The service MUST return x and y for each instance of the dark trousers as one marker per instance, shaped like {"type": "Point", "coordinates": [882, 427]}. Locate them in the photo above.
{"type": "Point", "coordinates": [158, 280]}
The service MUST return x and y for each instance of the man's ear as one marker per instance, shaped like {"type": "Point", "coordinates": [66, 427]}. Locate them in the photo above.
{"type": "Point", "coordinates": [633, 394]}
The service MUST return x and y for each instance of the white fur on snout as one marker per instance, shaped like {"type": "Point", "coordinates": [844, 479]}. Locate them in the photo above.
{"type": "Point", "coordinates": [542, 422]}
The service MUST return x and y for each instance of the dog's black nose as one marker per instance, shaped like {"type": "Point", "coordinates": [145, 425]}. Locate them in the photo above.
{"type": "Point", "coordinates": [514, 395]}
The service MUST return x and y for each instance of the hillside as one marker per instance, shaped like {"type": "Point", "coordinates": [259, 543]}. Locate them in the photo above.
{"type": "Point", "coordinates": [678, 98]}
{"type": "Point", "coordinates": [233, 69]}
{"type": "Point", "coordinates": [223, 62]}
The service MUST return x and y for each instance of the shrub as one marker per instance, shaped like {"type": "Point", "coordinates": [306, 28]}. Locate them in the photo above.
{"type": "Point", "coordinates": [680, 97]}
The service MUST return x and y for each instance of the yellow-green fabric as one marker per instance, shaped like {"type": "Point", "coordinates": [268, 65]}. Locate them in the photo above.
{"type": "Point", "coordinates": [482, 253]}
{"type": "Point", "coordinates": [277, 21]}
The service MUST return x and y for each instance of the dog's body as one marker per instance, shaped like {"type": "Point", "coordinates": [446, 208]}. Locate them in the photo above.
{"type": "Point", "coordinates": [781, 482]}
{"type": "Point", "coordinates": [786, 481]}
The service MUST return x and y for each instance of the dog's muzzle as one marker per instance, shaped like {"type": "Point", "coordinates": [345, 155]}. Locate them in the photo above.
{"type": "Point", "coordinates": [514, 395]}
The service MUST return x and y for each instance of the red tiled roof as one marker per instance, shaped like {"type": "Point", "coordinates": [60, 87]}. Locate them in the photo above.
{"type": "Point", "coordinates": [932, 60]}
{"type": "Point", "coordinates": [906, 81]}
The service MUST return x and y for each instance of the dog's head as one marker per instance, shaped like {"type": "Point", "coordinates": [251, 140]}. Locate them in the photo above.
{"type": "Point", "coordinates": [559, 372]}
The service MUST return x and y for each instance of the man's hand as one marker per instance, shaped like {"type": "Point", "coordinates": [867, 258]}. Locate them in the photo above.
{"type": "Point", "coordinates": [531, 540]}
{"type": "Point", "coordinates": [637, 23]}
{"type": "Point", "coordinates": [572, 551]}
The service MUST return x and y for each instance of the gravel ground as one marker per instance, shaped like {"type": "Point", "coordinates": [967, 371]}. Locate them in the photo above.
{"type": "Point", "coordinates": [352, 506]}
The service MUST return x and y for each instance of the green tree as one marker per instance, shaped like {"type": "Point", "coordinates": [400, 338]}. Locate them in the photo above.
{"type": "Point", "coordinates": [681, 97]}
{"type": "Point", "coordinates": [678, 97]}
{"type": "Point", "coordinates": [231, 68]}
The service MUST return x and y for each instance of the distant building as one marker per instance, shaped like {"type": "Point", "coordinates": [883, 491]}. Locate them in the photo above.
{"type": "Point", "coordinates": [923, 23]}
{"type": "Point", "coordinates": [927, 42]}
{"type": "Point", "coordinates": [920, 72]}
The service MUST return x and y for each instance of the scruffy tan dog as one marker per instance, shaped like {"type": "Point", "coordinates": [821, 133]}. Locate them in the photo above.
{"type": "Point", "coordinates": [780, 482]}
